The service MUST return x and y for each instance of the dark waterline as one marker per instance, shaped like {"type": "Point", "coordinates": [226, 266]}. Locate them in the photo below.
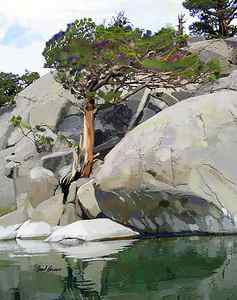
{"type": "Point", "coordinates": [168, 269]}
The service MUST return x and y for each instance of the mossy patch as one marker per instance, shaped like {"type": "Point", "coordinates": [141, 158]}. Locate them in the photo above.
{"type": "Point", "coordinates": [5, 211]}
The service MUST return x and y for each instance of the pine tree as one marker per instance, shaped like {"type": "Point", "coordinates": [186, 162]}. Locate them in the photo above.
{"type": "Point", "coordinates": [12, 84]}
{"type": "Point", "coordinates": [112, 62]}
{"type": "Point", "coordinates": [215, 17]}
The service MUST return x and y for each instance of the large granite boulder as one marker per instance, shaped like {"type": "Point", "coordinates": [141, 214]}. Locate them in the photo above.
{"type": "Point", "coordinates": [175, 173]}
{"type": "Point", "coordinates": [218, 49]}
{"type": "Point", "coordinates": [34, 185]}
{"type": "Point", "coordinates": [232, 42]}
{"type": "Point", "coordinates": [224, 83]}
{"type": "Point", "coordinates": [48, 211]}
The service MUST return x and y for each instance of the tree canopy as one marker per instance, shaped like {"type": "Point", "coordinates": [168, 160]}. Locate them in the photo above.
{"type": "Point", "coordinates": [11, 84]}
{"type": "Point", "coordinates": [9, 87]}
{"type": "Point", "coordinates": [28, 78]}
{"type": "Point", "coordinates": [89, 56]}
{"type": "Point", "coordinates": [215, 17]}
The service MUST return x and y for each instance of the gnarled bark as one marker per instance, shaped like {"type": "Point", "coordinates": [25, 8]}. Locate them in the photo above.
{"type": "Point", "coordinates": [88, 138]}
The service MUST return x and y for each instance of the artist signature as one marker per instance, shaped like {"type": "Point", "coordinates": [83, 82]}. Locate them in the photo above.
{"type": "Point", "coordinates": [46, 268]}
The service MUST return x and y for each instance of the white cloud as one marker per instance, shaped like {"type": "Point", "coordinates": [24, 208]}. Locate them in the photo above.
{"type": "Point", "coordinates": [16, 60]}
{"type": "Point", "coordinates": [46, 17]}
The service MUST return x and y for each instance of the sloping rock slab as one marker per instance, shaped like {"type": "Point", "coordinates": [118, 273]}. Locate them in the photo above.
{"type": "Point", "coordinates": [92, 230]}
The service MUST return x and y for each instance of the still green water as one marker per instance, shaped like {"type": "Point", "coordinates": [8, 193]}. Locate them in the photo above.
{"type": "Point", "coordinates": [167, 269]}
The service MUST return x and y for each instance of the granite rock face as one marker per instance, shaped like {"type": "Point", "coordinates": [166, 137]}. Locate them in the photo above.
{"type": "Point", "coordinates": [56, 161]}
{"type": "Point", "coordinates": [177, 171]}
{"type": "Point", "coordinates": [222, 50]}
{"type": "Point", "coordinates": [43, 102]}
{"type": "Point", "coordinates": [7, 191]}
{"type": "Point", "coordinates": [5, 129]}
{"type": "Point", "coordinates": [87, 200]}
{"type": "Point", "coordinates": [49, 211]}
{"type": "Point", "coordinates": [34, 185]}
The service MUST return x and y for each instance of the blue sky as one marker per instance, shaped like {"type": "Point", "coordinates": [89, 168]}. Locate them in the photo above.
{"type": "Point", "coordinates": [20, 36]}
{"type": "Point", "coordinates": [25, 25]}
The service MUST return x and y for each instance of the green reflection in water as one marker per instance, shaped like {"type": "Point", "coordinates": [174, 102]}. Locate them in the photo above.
{"type": "Point", "coordinates": [167, 269]}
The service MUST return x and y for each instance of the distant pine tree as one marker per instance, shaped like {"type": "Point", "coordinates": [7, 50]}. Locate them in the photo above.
{"type": "Point", "coordinates": [11, 84]}
{"type": "Point", "coordinates": [215, 17]}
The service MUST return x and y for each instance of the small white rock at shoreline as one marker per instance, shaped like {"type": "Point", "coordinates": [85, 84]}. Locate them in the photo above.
{"type": "Point", "coordinates": [84, 230]}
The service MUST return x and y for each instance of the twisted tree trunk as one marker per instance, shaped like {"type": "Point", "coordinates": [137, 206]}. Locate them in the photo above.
{"type": "Point", "coordinates": [223, 27]}
{"type": "Point", "coordinates": [88, 138]}
{"type": "Point", "coordinates": [222, 19]}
